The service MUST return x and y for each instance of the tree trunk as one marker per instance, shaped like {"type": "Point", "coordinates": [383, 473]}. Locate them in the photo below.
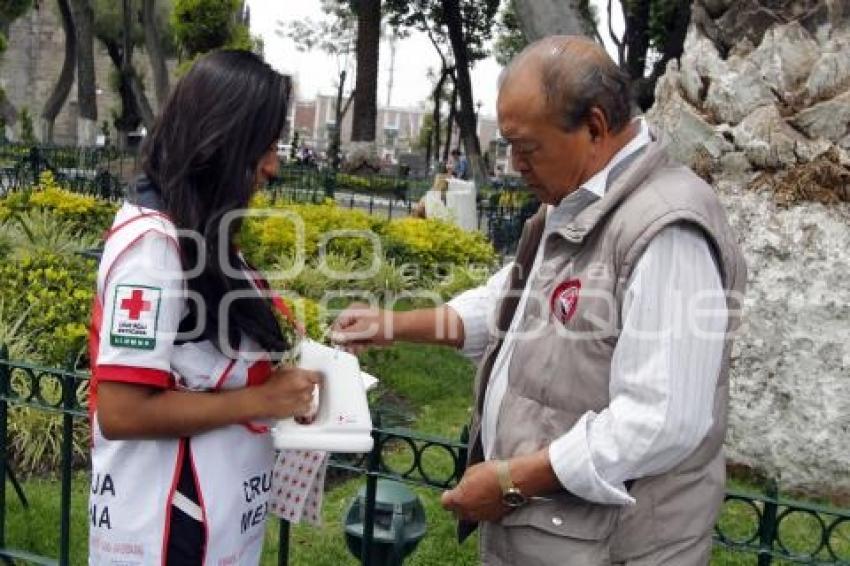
{"type": "Point", "coordinates": [336, 139]}
{"type": "Point", "coordinates": [467, 120]}
{"type": "Point", "coordinates": [66, 77]}
{"type": "Point", "coordinates": [366, 87]}
{"type": "Point", "coordinates": [129, 76]}
{"type": "Point", "coordinates": [153, 45]}
{"type": "Point", "coordinates": [86, 86]}
{"type": "Point", "coordinates": [539, 18]}
{"type": "Point", "coordinates": [450, 124]}
{"type": "Point", "coordinates": [673, 46]}
{"type": "Point", "coordinates": [438, 101]}
{"type": "Point", "coordinates": [129, 119]}
{"type": "Point", "coordinates": [637, 36]}
{"type": "Point", "coordinates": [143, 106]}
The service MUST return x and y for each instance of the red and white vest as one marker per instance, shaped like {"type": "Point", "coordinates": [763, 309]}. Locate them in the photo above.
{"type": "Point", "coordinates": [138, 307]}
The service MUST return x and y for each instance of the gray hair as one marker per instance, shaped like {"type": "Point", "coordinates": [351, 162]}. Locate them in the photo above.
{"type": "Point", "coordinates": [577, 75]}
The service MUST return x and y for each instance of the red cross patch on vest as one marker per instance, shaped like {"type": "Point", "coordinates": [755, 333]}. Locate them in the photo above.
{"type": "Point", "coordinates": [565, 300]}
{"type": "Point", "coordinates": [134, 317]}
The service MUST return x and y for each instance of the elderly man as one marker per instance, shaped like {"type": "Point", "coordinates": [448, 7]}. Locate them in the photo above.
{"type": "Point", "coordinates": [601, 397]}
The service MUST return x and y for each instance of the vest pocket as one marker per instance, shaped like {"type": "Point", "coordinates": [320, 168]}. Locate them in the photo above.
{"type": "Point", "coordinates": [568, 516]}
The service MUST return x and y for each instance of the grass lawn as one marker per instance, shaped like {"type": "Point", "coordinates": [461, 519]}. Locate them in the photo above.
{"type": "Point", "coordinates": [429, 389]}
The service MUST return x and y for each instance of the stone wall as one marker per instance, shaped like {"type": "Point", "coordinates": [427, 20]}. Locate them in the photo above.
{"type": "Point", "coordinates": [32, 63]}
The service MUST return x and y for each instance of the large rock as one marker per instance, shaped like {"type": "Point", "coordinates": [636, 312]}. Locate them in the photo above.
{"type": "Point", "coordinates": [785, 57]}
{"type": "Point", "coordinates": [732, 96]}
{"type": "Point", "coordinates": [830, 73]}
{"type": "Point", "coordinates": [688, 132]}
{"type": "Point", "coordinates": [700, 65]}
{"type": "Point", "coordinates": [790, 383]}
{"type": "Point", "coordinates": [766, 140]}
{"type": "Point", "coordinates": [829, 119]}
{"type": "Point", "coordinates": [774, 101]}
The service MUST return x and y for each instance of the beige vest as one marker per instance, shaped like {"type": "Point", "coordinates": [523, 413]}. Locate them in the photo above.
{"type": "Point", "coordinates": [563, 370]}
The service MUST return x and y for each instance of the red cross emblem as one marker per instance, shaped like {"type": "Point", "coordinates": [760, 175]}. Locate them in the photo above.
{"type": "Point", "coordinates": [565, 300]}
{"type": "Point", "coordinates": [136, 304]}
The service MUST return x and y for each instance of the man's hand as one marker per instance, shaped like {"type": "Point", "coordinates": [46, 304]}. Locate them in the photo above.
{"type": "Point", "coordinates": [478, 496]}
{"type": "Point", "coordinates": [361, 326]}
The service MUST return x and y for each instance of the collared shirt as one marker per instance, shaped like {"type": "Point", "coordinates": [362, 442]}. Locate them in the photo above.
{"type": "Point", "coordinates": [661, 383]}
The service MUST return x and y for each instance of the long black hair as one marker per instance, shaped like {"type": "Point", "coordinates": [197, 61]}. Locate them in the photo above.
{"type": "Point", "coordinates": [202, 155]}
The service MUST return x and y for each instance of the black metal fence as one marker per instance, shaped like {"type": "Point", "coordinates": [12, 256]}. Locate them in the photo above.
{"type": "Point", "coordinates": [99, 171]}
{"type": "Point", "coordinates": [427, 461]}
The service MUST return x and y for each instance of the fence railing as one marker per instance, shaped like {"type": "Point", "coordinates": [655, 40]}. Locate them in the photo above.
{"type": "Point", "coordinates": [100, 171]}
{"type": "Point", "coordinates": [436, 463]}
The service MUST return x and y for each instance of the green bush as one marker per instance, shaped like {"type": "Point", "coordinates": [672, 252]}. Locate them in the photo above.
{"type": "Point", "coordinates": [56, 293]}
{"type": "Point", "coordinates": [375, 183]}
{"type": "Point", "coordinates": [429, 242]}
{"type": "Point", "coordinates": [86, 214]}
{"type": "Point", "coordinates": [270, 240]}
{"type": "Point", "coordinates": [315, 279]}
{"type": "Point", "coordinates": [40, 231]}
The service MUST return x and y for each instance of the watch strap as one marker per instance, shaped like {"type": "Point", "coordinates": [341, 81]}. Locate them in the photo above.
{"type": "Point", "coordinates": [503, 471]}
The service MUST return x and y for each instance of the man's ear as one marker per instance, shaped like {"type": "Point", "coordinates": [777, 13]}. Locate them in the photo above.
{"type": "Point", "coordinates": [597, 124]}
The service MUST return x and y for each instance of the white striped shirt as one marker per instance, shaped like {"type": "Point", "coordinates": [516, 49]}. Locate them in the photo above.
{"type": "Point", "coordinates": [664, 367]}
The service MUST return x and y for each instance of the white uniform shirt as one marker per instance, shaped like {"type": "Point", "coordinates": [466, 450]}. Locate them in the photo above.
{"type": "Point", "coordinates": [664, 368]}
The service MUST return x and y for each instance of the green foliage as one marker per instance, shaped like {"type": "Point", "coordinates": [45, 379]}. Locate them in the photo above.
{"type": "Point", "coordinates": [662, 14]}
{"type": "Point", "coordinates": [510, 39]}
{"type": "Point", "coordinates": [12, 334]}
{"type": "Point", "coordinates": [11, 10]}
{"type": "Point", "coordinates": [459, 279]}
{"type": "Point", "coordinates": [423, 15]}
{"type": "Point", "coordinates": [56, 291]}
{"type": "Point", "coordinates": [27, 132]}
{"type": "Point", "coordinates": [109, 21]}
{"type": "Point", "coordinates": [84, 214]}
{"type": "Point", "coordinates": [38, 231]}
{"type": "Point", "coordinates": [35, 435]}
{"type": "Point", "coordinates": [42, 278]}
{"type": "Point", "coordinates": [336, 36]}
{"type": "Point", "coordinates": [429, 242]}
{"type": "Point", "coordinates": [372, 183]}
{"type": "Point", "coordinates": [241, 38]}
{"type": "Point", "coordinates": [334, 272]}
{"type": "Point", "coordinates": [308, 314]}
{"type": "Point", "coordinates": [269, 240]}
{"type": "Point", "coordinates": [203, 25]}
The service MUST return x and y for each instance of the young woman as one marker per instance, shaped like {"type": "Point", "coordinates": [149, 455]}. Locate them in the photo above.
{"type": "Point", "coordinates": [184, 337]}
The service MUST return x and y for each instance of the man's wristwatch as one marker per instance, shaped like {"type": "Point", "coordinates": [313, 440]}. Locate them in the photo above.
{"type": "Point", "coordinates": [511, 495]}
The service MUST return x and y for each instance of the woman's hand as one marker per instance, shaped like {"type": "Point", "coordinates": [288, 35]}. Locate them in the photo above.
{"type": "Point", "coordinates": [287, 393]}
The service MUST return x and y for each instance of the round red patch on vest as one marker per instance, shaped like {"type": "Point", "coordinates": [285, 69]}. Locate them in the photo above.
{"type": "Point", "coordinates": [565, 300]}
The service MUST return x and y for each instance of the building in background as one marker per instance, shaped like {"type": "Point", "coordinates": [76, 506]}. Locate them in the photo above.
{"type": "Point", "coordinates": [32, 63]}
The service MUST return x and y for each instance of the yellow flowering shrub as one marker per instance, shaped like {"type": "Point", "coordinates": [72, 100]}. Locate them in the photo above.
{"type": "Point", "coordinates": [276, 230]}
{"type": "Point", "coordinates": [86, 213]}
{"type": "Point", "coordinates": [430, 242]}
{"type": "Point", "coordinates": [53, 294]}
